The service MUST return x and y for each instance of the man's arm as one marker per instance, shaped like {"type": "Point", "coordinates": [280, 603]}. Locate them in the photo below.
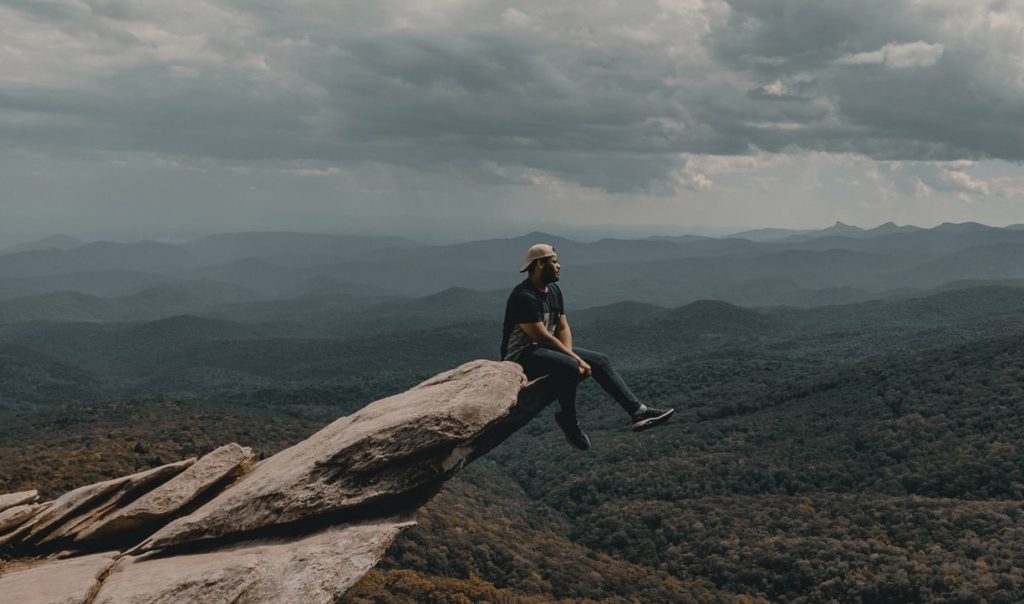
{"type": "Point", "coordinates": [539, 334]}
{"type": "Point", "coordinates": [563, 333]}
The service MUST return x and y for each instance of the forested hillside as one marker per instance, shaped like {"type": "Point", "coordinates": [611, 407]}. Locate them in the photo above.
{"type": "Point", "coordinates": [866, 452]}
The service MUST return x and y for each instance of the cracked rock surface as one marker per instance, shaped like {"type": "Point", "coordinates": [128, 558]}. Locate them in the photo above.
{"type": "Point", "coordinates": [311, 570]}
{"type": "Point", "coordinates": [71, 581]}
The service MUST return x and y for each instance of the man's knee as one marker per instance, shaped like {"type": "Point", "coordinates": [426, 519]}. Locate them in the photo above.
{"type": "Point", "coordinates": [566, 370]}
{"type": "Point", "coordinates": [598, 359]}
{"type": "Point", "coordinates": [558, 368]}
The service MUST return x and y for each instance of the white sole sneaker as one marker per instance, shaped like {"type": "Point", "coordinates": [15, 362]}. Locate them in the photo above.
{"type": "Point", "coordinates": [650, 422]}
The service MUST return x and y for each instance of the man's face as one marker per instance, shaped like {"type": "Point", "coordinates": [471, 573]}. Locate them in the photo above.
{"type": "Point", "coordinates": [550, 269]}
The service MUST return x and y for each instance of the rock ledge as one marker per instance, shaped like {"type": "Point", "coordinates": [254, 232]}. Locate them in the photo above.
{"type": "Point", "coordinates": [302, 526]}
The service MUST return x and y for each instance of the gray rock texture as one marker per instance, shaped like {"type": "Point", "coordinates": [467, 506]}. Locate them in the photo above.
{"type": "Point", "coordinates": [10, 500]}
{"type": "Point", "coordinates": [71, 581]}
{"type": "Point", "coordinates": [164, 501]}
{"type": "Point", "coordinates": [390, 448]}
{"type": "Point", "coordinates": [311, 570]}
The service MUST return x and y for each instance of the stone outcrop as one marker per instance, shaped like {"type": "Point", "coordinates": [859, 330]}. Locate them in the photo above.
{"type": "Point", "coordinates": [391, 448]}
{"type": "Point", "coordinates": [220, 465]}
{"type": "Point", "coordinates": [76, 509]}
{"type": "Point", "coordinates": [301, 526]}
{"type": "Point", "coordinates": [12, 499]}
{"type": "Point", "coordinates": [12, 518]}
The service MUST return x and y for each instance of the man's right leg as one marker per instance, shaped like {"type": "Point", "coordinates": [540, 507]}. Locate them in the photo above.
{"type": "Point", "coordinates": [538, 361]}
{"type": "Point", "coordinates": [563, 369]}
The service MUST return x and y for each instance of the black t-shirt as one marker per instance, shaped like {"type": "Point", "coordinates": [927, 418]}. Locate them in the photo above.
{"type": "Point", "coordinates": [527, 305]}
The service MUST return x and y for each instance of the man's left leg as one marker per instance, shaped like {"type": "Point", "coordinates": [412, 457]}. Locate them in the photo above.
{"type": "Point", "coordinates": [611, 382]}
{"type": "Point", "coordinates": [609, 379]}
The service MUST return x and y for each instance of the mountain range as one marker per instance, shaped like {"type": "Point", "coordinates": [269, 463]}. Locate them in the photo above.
{"type": "Point", "coordinates": [286, 274]}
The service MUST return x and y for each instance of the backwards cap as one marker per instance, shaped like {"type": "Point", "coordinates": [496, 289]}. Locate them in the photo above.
{"type": "Point", "coordinates": [536, 252]}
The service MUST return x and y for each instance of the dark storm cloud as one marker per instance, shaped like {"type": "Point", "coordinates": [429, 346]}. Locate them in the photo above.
{"type": "Point", "coordinates": [777, 37]}
{"type": "Point", "coordinates": [85, 19]}
{"type": "Point", "coordinates": [905, 81]}
{"type": "Point", "coordinates": [591, 119]}
{"type": "Point", "coordinates": [603, 97]}
{"type": "Point", "coordinates": [951, 106]}
{"type": "Point", "coordinates": [216, 114]}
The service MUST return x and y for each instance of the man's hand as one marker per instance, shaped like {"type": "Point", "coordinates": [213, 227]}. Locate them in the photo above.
{"type": "Point", "coordinates": [540, 335]}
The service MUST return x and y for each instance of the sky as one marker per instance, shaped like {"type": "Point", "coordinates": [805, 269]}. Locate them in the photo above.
{"type": "Point", "coordinates": [465, 119]}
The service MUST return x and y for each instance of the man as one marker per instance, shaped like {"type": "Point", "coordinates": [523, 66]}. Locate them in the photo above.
{"type": "Point", "coordinates": [536, 335]}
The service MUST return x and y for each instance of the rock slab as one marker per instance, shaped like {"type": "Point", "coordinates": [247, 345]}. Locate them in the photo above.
{"type": "Point", "coordinates": [316, 569]}
{"type": "Point", "coordinates": [71, 581]}
{"type": "Point", "coordinates": [10, 500]}
{"type": "Point", "coordinates": [63, 517]}
{"type": "Point", "coordinates": [215, 467]}
{"type": "Point", "coordinates": [388, 449]}
{"type": "Point", "coordinates": [14, 517]}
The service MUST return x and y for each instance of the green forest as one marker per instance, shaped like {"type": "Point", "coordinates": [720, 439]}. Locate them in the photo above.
{"type": "Point", "coordinates": [862, 453]}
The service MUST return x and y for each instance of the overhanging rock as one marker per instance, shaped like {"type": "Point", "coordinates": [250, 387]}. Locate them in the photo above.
{"type": "Point", "coordinates": [300, 526]}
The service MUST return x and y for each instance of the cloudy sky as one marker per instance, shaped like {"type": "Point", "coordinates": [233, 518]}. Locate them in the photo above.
{"type": "Point", "coordinates": [467, 118]}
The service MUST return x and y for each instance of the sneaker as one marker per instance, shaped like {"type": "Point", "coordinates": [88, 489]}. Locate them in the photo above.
{"type": "Point", "coordinates": [573, 433]}
{"type": "Point", "coordinates": [648, 417]}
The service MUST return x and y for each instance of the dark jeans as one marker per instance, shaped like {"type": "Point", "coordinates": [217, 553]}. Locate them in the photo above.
{"type": "Point", "coordinates": [537, 361]}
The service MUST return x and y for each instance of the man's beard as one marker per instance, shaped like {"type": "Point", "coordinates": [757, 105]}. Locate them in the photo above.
{"type": "Point", "coordinates": [548, 275]}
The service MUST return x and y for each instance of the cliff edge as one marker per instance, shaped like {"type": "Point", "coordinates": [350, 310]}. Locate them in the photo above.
{"type": "Point", "coordinates": [302, 526]}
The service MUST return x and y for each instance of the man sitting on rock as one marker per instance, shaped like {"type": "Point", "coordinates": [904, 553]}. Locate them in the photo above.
{"type": "Point", "coordinates": [536, 335]}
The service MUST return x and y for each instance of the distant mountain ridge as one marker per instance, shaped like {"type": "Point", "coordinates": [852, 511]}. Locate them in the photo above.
{"type": "Point", "coordinates": [53, 242]}
{"type": "Point", "coordinates": [839, 264]}
{"type": "Point", "coordinates": [151, 303]}
{"type": "Point", "coordinates": [839, 229]}
{"type": "Point", "coordinates": [284, 247]}
{"type": "Point", "coordinates": [101, 255]}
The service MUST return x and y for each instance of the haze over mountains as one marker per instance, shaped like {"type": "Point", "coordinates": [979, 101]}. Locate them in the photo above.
{"type": "Point", "coordinates": [264, 316]}
{"type": "Point", "coordinates": [265, 277]}
{"type": "Point", "coordinates": [274, 313]}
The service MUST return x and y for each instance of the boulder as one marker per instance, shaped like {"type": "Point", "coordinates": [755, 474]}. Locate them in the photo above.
{"type": "Point", "coordinates": [309, 570]}
{"type": "Point", "coordinates": [71, 581]}
{"type": "Point", "coordinates": [14, 517]}
{"type": "Point", "coordinates": [393, 450]}
{"type": "Point", "coordinates": [76, 507]}
{"type": "Point", "coordinates": [10, 500]}
{"type": "Point", "coordinates": [216, 467]}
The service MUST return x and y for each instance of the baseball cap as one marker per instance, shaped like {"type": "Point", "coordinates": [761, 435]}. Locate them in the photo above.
{"type": "Point", "coordinates": [536, 252]}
